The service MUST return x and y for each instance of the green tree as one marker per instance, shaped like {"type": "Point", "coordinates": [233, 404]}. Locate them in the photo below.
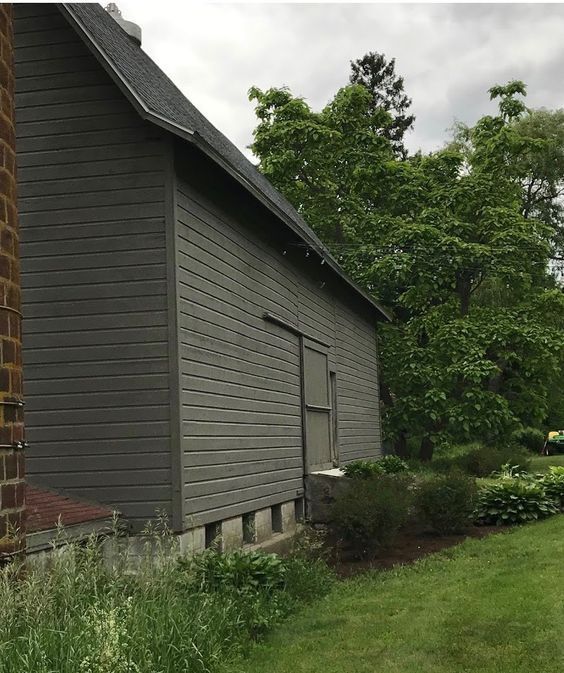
{"type": "Point", "coordinates": [378, 76]}
{"type": "Point", "coordinates": [542, 166]}
{"type": "Point", "coordinates": [331, 164]}
{"type": "Point", "coordinates": [444, 241]}
{"type": "Point", "coordinates": [539, 169]}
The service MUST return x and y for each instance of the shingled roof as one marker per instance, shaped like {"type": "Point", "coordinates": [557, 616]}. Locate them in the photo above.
{"type": "Point", "coordinates": [158, 100]}
{"type": "Point", "coordinates": [46, 509]}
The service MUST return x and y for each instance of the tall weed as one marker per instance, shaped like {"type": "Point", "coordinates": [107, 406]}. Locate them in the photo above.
{"type": "Point", "coordinates": [76, 613]}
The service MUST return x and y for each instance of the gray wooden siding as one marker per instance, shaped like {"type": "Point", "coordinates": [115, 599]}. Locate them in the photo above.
{"type": "Point", "coordinates": [359, 431]}
{"type": "Point", "coordinates": [240, 375]}
{"type": "Point", "coordinates": [91, 198]}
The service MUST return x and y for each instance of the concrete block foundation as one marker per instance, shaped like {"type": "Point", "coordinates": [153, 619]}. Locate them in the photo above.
{"type": "Point", "coordinates": [232, 533]}
{"type": "Point", "coordinates": [227, 535]}
{"type": "Point", "coordinates": [321, 489]}
{"type": "Point", "coordinates": [263, 524]}
{"type": "Point", "coordinates": [288, 517]}
{"type": "Point", "coordinates": [192, 541]}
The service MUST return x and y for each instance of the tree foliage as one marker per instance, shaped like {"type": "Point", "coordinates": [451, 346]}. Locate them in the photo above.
{"type": "Point", "coordinates": [379, 78]}
{"type": "Point", "coordinates": [444, 240]}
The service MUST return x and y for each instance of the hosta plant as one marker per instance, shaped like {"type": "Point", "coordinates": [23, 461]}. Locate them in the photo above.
{"type": "Point", "coordinates": [509, 471]}
{"type": "Point", "coordinates": [513, 501]}
{"type": "Point", "coordinates": [364, 469]}
{"type": "Point", "coordinates": [553, 484]}
{"type": "Point", "coordinates": [242, 570]}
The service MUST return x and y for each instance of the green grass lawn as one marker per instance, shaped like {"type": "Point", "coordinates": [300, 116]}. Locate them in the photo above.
{"type": "Point", "coordinates": [488, 606]}
{"type": "Point", "coordinates": [542, 463]}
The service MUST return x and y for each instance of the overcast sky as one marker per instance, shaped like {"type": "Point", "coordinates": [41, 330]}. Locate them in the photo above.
{"type": "Point", "coordinates": [449, 54]}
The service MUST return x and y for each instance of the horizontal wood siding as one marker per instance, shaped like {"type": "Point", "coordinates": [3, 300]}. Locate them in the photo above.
{"type": "Point", "coordinates": [358, 399]}
{"type": "Point", "coordinates": [240, 375]}
{"type": "Point", "coordinates": [241, 409]}
{"type": "Point", "coordinates": [91, 199]}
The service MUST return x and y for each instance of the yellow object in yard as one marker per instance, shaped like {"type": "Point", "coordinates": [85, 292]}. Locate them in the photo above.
{"type": "Point", "coordinates": [554, 442]}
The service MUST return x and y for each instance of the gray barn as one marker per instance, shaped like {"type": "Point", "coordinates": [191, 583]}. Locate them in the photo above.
{"type": "Point", "coordinates": [190, 345]}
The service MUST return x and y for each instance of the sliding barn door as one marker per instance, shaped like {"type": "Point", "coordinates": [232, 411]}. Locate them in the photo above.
{"type": "Point", "coordinates": [318, 419]}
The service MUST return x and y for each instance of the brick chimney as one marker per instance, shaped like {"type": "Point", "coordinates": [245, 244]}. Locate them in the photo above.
{"type": "Point", "coordinates": [12, 462]}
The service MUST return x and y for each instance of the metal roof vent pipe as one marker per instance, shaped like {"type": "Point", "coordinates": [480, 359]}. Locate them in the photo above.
{"type": "Point", "coordinates": [132, 29]}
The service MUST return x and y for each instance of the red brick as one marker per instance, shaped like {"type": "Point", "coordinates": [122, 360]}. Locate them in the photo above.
{"type": "Point", "coordinates": [16, 382]}
{"type": "Point", "coordinates": [5, 266]}
{"type": "Point", "coordinates": [7, 235]}
{"type": "Point", "coordinates": [7, 183]}
{"type": "Point", "coordinates": [5, 379]}
{"type": "Point", "coordinates": [13, 297]}
{"type": "Point", "coordinates": [11, 215]}
{"type": "Point", "coordinates": [6, 125]}
{"type": "Point", "coordinates": [5, 99]}
{"type": "Point", "coordinates": [11, 465]}
{"type": "Point", "coordinates": [6, 435]}
{"type": "Point", "coordinates": [14, 324]}
{"type": "Point", "coordinates": [13, 414]}
{"type": "Point", "coordinates": [20, 494]}
{"type": "Point", "coordinates": [8, 496]}
{"type": "Point", "coordinates": [15, 270]}
{"type": "Point", "coordinates": [4, 20]}
{"type": "Point", "coordinates": [8, 352]}
{"type": "Point", "coordinates": [20, 458]}
{"type": "Point", "coordinates": [17, 433]}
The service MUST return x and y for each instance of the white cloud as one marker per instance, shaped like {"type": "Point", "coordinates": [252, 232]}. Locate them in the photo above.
{"type": "Point", "coordinates": [449, 54]}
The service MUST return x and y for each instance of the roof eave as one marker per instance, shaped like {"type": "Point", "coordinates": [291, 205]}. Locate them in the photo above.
{"type": "Point", "coordinates": [189, 135]}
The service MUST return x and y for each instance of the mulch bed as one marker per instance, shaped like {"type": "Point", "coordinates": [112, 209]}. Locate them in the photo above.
{"type": "Point", "coordinates": [412, 544]}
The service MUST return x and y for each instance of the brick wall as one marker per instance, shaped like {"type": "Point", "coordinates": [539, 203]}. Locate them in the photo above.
{"type": "Point", "coordinates": [12, 485]}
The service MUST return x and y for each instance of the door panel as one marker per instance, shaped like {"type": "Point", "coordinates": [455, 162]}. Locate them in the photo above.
{"type": "Point", "coordinates": [317, 407]}
{"type": "Point", "coordinates": [318, 428]}
{"type": "Point", "coordinates": [315, 367]}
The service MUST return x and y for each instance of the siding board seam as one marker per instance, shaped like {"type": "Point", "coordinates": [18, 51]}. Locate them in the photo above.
{"type": "Point", "coordinates": [175, 373]}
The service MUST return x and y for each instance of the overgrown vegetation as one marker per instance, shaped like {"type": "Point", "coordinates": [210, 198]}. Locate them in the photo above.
{"type": "Point", "coordinates": [531, 439]}
{"type": "Point", "coordinates": [369, 512]}
{"type": "Point", "coordinates": [446, 502]}
{"type": "Point", "coordinates": [553, 484]}
{"type": "Point", "coordinates": [364, 469]}
{"type": "Point", "coordinates": [77, 615]}
{"type": "Point", "coordinates": [477, 459]}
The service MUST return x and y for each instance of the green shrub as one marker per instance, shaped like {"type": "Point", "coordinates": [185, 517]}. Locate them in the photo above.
{"type": "Point", "coordinates": [484, 460]}
{"type": "Point", "coordinates": [446, 502]}
{"type": "Point", "coordinates": [310, 544]}
{"type": "Point", "coordinates": [531, 439]}
{"type": "Point", "coordinates": [241, 570]}
{"type": "Point", "coordinates": [553, 484]}
{"type": "Point", "coordinates": [393, 465]}
{"type": "Point", "coordinates": [364, 469]}
{"type": "Point", "coordinates": [512, 501]}
{"type": "Point", "coordinates": [556, 469]}
{"type": "Point", "coordinates": [305, 580]}
{"type": "Point", "coordinates": [369, 513]}
{"type": "Point", "coordinates": [509, 471]}
{"type": "Point", "coordinates": [361, 469]}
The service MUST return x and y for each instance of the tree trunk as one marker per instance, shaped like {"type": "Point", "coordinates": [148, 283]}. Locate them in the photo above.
{"type": "Point", "coordinates": [464, 291]}
{"type": "Point", "coordinates": [426, 449]}
{"type": "Point", "coordinates": [400, 446]}
{"type": "Point", "coordinates": [12, 464]}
